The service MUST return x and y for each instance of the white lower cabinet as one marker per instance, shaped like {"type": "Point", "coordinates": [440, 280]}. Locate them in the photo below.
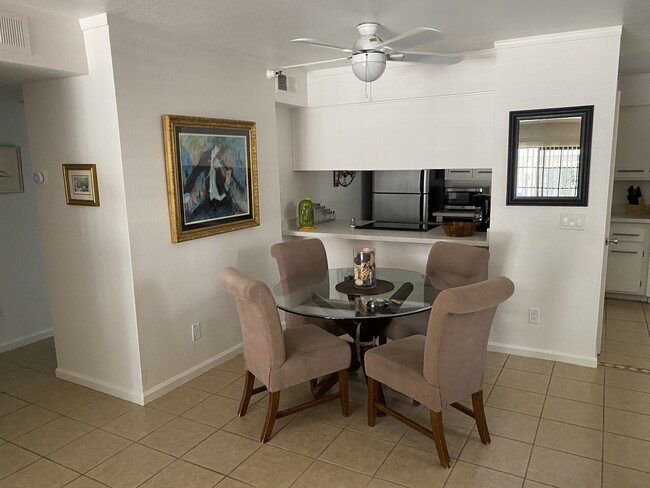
{"type": "Point", "coordinates": [627, 262]}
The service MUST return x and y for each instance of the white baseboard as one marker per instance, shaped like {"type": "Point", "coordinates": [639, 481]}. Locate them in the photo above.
{"type": "Point", "coordinates": [155, 392]}
{"type": "Point", "coordinates": [182, 378]}
{"type": "Point", "coordinates": [100, 385]}
{"type": "Point", "coordinates": [531, 352]}
{"type": "Point", "coordinates": [25, 340]}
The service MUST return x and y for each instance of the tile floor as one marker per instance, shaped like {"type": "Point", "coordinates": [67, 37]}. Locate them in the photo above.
{"type": "Point", "coordinates": [552, 424]}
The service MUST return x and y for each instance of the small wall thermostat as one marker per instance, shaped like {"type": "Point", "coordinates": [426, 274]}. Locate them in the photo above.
{"type": "Point", "coordinates": [40, 177]}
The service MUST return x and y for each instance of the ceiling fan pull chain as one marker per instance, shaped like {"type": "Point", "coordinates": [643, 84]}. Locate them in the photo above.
{"type": "Point", "coordinates": [368, 87]}
{"type": "Point", "coordinates": [368, 91]}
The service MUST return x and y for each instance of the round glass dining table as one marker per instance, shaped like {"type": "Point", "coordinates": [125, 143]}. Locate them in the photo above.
{"type": "Point", "coordinates": [332, 295]}
{"type": "Point", "coordinates": [362, 313]}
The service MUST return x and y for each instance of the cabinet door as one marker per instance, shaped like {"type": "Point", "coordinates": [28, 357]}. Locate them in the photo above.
{"type": "Point", "coordinates": [633, 145]}
{"type": "Point", "coordinates": [404, 134]}
{"type": "Point", "coordinates": [482, 174]}
{"type": "Point", "coordinates": [459, 174]}
{"type": "Point", "coordinates": [625, 268]}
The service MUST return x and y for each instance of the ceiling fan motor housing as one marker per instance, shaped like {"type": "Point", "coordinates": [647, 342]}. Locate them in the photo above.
{"type": "Point", "coordinates": [368, 39]}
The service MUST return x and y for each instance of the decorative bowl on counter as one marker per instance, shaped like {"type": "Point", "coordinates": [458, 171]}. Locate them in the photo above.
{"type": "Point", "coordinates": [459, 229]}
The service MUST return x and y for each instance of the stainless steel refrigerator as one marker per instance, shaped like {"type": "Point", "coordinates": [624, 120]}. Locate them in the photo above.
{"type": "Point", "coordinates": [406, 198]}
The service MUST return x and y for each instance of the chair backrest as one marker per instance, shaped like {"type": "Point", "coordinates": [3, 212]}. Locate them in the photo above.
{"type": "Point", "coordinates": [457, 264]}
{"type": "Point", "coordinates": [260, 322]}
{"type": "Point", "coordinates": [300, 256]}
{"type": "Point", "coordinates": [457, 337]}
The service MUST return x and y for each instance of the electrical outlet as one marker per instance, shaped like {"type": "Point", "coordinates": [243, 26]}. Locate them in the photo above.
{"type": "Point", "coordinates": [533, 315]}
{"type": "Point", "coordinates": [2, 312]}
{"type": "Point", "coordinates": [196, 331]}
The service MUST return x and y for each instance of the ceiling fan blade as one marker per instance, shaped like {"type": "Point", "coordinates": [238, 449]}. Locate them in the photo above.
{"type": "Point", "coordinates": [313, 63]}
{"type": "Point", "coordinates": [314, 42]}
{"type": "Point", "coordinates": [432, 58]}
{"type": "Point", "coordinates": [412, 38]}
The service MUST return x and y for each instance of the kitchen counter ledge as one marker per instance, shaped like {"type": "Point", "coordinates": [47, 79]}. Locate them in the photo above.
{"type": "Point", "coordinates": [624, 218]}
{"type": "Point", "coordinates": [340, 229]}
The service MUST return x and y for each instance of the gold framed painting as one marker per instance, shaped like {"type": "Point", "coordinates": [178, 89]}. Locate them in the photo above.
{"type": "Point", "coordinates": [211, 176]}
{"type": "Point", "coordinates": [80, 182]}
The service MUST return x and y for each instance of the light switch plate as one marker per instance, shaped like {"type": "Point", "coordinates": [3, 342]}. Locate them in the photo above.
{"type": "Point", "coordinates": [572, 221]}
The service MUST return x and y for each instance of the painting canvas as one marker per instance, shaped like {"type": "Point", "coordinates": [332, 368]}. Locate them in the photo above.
{"type": "Point", "coordinates": [11, 177]}
{"type": "Point", "coordinates": [211, 176]}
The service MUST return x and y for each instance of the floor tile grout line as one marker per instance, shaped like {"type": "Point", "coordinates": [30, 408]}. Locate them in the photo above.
{"type": "Point", "coordinates": [602, 442]}
{"type": "Point", "coordinates": [627, 467]}
{"type": "Point", "coordinates": [473, 463]}
{"type": "Point", "coordinates": [539, 421]}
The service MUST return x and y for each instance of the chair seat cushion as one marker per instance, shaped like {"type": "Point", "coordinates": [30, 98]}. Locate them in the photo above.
{"type": "Point", "coordinates": [410, 325]}
{"type": "Point", "coordinates": [399, 365]}
{"type": "Point", "coordinates": [310, 352]}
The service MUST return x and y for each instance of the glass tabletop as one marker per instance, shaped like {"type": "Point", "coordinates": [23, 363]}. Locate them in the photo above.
{"type": "Point", "coordinates": [315, 294]}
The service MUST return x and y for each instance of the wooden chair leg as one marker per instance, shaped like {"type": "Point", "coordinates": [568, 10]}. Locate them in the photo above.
{"type": "Point", "coordinates": [249, 382]}
{"type": "Point", "coordinates": [479, 416]}
{"type": "Point", "coordinates": [372, 397]}
{"type": "Point", "coordinates": [439, 438]}
{"type": "Point", "coordinates": [344, 390]}
{"type": "Point", "coordinates": [271, 413]}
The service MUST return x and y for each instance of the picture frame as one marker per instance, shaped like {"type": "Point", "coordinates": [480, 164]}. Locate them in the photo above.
{"type": "Point", "coordinates": [80, 183]}
{"type": "Point", "coordinates": [11, 171]}
{"type": "Point", "coordinates": [212, 175]}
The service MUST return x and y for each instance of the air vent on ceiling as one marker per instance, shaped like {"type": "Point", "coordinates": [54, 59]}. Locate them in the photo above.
{"type": "Point", "coordinates": [286, 83]}
{"type": "Point", "coordinates": [14, 34]}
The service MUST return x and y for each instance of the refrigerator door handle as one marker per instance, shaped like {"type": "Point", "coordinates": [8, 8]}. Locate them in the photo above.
{"type": "Point", "coordinates": [424, 207]}
{"type": "Point", "coordinates": [424, 181]}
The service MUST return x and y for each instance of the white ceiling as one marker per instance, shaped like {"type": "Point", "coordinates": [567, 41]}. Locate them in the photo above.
{"type": "Point", "coordinates": [262, 28]}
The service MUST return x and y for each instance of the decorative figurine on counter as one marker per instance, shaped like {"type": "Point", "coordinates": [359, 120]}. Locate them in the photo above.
{"type": "Point", "coordinates": [306, 215]}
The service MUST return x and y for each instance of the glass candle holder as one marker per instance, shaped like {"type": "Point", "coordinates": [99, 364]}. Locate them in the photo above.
{"type": "Point", "coordinates": [364, 267]}
{"type": "Point", "coordinates": [306, 215]}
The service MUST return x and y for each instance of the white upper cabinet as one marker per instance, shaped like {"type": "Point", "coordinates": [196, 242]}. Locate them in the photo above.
{"type": "Point", "coordinates": [483, 174]}
{"type": "Point", "coordinates": [437, 132]}
{"type": "Point", "coordinates": [633, 145]}
{"type": "Point", "coordinates": [421, 117]}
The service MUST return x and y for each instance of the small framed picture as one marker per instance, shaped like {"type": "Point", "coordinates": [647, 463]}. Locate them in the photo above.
{"type": "Point", "coordinates": [11, 176]}
{"type": "Point", "coordinates": [80, 181]}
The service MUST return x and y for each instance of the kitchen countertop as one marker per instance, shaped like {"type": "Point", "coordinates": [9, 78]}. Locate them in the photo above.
{"type": "Point", "coordinates": [624, 218]}
{"type": "Point", "coordinates": [341, 229]}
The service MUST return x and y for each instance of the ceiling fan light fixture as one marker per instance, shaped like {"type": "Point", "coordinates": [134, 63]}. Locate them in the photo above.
{"type": "Point", "coordinates": [368, 67]}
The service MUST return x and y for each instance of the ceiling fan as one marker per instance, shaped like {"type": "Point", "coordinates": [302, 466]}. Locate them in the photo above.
{"type": "Point", "coordinates": [369, 53]}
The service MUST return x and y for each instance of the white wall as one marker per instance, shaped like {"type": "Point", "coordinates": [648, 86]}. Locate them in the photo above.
{"type": "Point", "coordinates": [317, 185]}
{"type": "Point", "coordinates": [57, 43]}
{"type": "Point", "coordinates": [557, 271]}
{"type": "Point", "coordinates": [635, 90]}
{"type": "Point", "coordinates": [86, 249]}
{"type": "Point", "coordinates": [23, 289]}
{"type": "Point", "coordinates": [177, 285]}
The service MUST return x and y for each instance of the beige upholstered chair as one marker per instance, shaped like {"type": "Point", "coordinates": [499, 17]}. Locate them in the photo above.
{"type": "Point", "coordinates": [449, 265]}
{"type": "Point", "coordinates": [445, 366]}
{"type": "Point", "coordinates": [280, 359]}
{"type": "Point", "coordinates": [302, 256]}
